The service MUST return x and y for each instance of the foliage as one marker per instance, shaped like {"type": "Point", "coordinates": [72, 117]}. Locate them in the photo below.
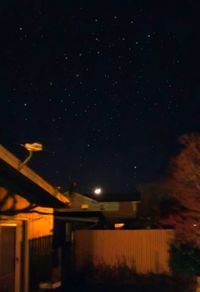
{"type": "Point", "coordinates": [184, 258]}
{"type": "Point", "coordinates": [156, 202]}
{"type": "Point", "coordinates": [123, 278]}
{"type": "Point", "coordinates": [9, 203]}
{"type": "Point", "coordinates": [184, 185]}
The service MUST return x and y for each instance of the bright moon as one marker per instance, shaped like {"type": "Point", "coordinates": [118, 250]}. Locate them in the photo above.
{"type": "Point", "coordinates": [97, 191]}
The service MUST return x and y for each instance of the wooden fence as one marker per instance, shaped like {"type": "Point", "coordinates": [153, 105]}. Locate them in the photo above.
{"type": "Point", "coordinates": [145, 251]}
{"type": "Point", "coordinates": [40, 252]}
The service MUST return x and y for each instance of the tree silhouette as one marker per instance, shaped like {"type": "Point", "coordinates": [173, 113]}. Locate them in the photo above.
{"type": "Point", "coordinates": [183, 184]}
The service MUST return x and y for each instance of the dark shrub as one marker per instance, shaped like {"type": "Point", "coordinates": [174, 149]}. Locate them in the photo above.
{"type": "Point", "coordinates": [184, 259]}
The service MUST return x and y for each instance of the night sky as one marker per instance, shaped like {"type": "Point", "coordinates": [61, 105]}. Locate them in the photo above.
{"type": "Point", "coordinates": [106, 88]}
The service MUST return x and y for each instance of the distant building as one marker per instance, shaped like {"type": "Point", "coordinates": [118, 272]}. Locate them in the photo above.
{"type": "Point", "coordinates": [105, 212]}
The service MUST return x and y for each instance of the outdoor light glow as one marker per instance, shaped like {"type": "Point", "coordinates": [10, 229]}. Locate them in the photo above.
{"type": "Point", "coordinates": [97, 191]}
{"type": "Point", "coordinates": [119, 225]}
{"type": "Point", "coordinates": [84, 206]}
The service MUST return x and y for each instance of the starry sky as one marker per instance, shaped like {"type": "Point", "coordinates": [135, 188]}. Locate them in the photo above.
{"type": "Point", "coordinates": [106, 88]}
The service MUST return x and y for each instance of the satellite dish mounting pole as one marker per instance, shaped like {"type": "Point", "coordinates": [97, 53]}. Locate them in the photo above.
{"type": "Point", "coordinates": [27, 159]}
{"type": "Point", "coordinates": [34, 147]}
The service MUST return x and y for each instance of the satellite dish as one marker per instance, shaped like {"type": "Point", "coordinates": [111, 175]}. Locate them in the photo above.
{"type": "Point", "coordinates": [33, 147]}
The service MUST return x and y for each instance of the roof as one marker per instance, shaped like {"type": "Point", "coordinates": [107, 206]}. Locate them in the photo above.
{"type": "Point", "coordinates": [85, 207]}
{"type": "Point", "coordinates": [81, 203]}
{"type": "Point", "coordinates": [27, 183]}
{"type": "Point", "coordinates": [117, 197]}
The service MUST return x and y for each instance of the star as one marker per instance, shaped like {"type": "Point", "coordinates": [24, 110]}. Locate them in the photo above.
{"type": "Point", "coordinates": [112, 84]}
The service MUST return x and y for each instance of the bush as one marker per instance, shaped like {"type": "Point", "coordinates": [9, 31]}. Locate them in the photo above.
{"type": "Point", "coordinates": [123, 278]}
{"type": "Point", "coordinates": [108, 274]}
{"type": "Point", "coordinates": [184, 259]}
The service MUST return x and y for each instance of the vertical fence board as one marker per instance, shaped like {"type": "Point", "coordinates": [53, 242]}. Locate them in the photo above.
{"type": "Point", "coordinates": [40, 251]}
{"type": "Point", "coordinates": [146, 251]}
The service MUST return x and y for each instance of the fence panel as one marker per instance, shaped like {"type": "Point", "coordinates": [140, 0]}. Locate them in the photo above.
{"type": "Point", "coordinates": [146, 251]}
{"type": "Point", "coordinates": [40, 252]}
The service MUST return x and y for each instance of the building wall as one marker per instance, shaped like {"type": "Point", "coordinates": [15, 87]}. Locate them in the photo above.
{"type": "Point", "coordinates": [39, 225]}
{"type": "Point", "coordinates": [146, 251]}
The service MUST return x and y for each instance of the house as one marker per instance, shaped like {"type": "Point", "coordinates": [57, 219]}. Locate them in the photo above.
{"type": "Point", "coordinates": [27, 202]}
{"type": "Point", "coordinates": [105, 211]}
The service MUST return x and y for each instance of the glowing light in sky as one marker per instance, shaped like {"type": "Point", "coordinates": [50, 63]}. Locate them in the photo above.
{"type": "Point", "coordinates": [98, 191]}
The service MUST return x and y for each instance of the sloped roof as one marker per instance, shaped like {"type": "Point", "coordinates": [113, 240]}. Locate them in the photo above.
{"type": "Point", "coordinates": [25, 182]}
{"type": "Point", "coordinates": [85, 207]}
{"type": "Point", "coordinates": [82, 203]}
{"type": "Point", "coordinates": [117, 197]}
